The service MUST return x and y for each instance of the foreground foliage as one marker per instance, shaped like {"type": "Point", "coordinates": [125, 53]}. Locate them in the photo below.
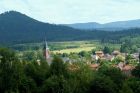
{"type": "Point", "coordinates": [60, 77]}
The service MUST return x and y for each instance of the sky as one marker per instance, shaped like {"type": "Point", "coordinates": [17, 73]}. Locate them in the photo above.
{"type": "Point", "coordinates": [75, 11]}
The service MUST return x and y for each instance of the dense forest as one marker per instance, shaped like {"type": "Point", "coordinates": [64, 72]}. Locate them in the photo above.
{"type": "Point", "coordinates": [18, 76]}
{"type": "Point", "coordinates": [19, 28]}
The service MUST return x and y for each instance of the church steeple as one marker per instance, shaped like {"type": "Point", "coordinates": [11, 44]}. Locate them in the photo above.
{"type": "Point", "coordinates": [46, 51]}
{"type": "Point", "coordinates": [46, 45]}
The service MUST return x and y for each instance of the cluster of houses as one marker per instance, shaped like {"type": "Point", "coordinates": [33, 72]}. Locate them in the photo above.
{"type": "Point", "coordinates": [126, 68]}
{"type": "Point", "coordinates": [110, 57]}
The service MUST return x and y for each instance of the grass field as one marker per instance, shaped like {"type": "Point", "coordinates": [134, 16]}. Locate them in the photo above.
{"type": "Point", "coordinates": [74, 46]}
{"type": "Point", "coordinates": [66, 47]}
{"type": "Point", "coordinates": [74, 50]}
{"type": "Point", "coordinates": [78, 46]}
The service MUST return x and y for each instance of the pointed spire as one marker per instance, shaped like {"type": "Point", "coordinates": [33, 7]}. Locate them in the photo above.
{"type": "Point", "coordinates": [46, 45]}
{"type": "Point", "coordinates": [46, 51]}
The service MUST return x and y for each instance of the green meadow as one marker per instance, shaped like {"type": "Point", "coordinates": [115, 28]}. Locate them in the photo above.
{"type": "Point", "coordinates": [66, 47]}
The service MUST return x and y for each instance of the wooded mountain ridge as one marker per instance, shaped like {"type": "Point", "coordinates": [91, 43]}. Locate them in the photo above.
{"type": "Point", "coordinates": [16, 28]}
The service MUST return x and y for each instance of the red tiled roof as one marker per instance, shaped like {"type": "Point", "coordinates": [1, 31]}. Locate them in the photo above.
{"type": "Point", "coordinates": [94, 66]}
{"type": "Point", "coordinates": [128, 67]}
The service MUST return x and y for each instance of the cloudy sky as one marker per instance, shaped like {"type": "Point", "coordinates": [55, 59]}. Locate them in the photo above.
{"type": "Point", "coordinates": [75, 11]}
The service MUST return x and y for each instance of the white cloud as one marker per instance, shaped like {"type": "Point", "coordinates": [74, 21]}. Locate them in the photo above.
{"type": "Point", "coordinates": [72, 11]}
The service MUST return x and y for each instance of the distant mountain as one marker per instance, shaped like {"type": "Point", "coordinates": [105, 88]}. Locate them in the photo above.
{"type": "Point", "coordinates": [112, 26]}
{"type": "Point", "coordinates": [90, 25]}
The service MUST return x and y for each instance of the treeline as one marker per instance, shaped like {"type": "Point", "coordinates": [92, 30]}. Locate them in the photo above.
{"type": "Point", "coordinates": [60, 77]}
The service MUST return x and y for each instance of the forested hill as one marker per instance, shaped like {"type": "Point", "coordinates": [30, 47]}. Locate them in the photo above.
{"type": "Point", "coordinates": [19, 28]}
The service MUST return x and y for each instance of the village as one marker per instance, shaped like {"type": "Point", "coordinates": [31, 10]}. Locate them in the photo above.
{"type": "Point", "coordinates": [124, 61]}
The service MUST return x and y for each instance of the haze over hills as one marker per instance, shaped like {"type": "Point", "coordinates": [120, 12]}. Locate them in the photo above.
{"type": "Point", "coordinates": [112, 26]}
{"type": "Point", "coordinates": [89, 25]}
{"type": "Point", "coordinates": [16, 28]}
